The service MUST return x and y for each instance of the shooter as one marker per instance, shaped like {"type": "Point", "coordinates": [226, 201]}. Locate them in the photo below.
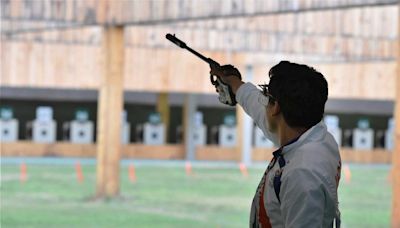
{"type": "Point", "coordinates": [299, 186]}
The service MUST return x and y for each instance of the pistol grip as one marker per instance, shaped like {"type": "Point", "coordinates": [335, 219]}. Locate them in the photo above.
{"type": "Point", "coordinates": [226, 95]}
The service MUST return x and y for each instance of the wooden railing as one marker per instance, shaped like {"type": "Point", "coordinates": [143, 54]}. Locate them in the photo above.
{"type": "Point", "coordinates": [171, 152]}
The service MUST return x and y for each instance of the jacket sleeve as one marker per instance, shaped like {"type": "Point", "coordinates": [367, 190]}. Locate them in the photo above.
{"type": "Point", "coordinates": [250, 98]}
{"type": "Point", "coordinates": [302, 199]}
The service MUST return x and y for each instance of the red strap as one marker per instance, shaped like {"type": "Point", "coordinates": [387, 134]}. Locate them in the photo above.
{"type": "Point", "coordinates": [262, 212]}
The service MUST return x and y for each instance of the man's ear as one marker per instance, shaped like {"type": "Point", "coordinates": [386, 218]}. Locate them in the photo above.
{"type": "Point", "coordinates": [275, 109]}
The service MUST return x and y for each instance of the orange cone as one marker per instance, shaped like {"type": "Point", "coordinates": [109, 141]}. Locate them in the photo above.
{"type": "Point", "coordinates": [243, 169]}
{"type": "Point", "coordinates": [188, 168]}
{"type": "Point", "coordinates": [347, 173]}
{"type": "Point", "coordinates": [132, 175]}
{"type": "Point", "coordinates": [23, 170]}
{"type": "Point", "coordinates": [79, 174]}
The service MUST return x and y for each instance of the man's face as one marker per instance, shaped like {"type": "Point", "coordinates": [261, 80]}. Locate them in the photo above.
{"type": "Point", "coordinates": [272, 122]}
{"type": "Point", "coordinates": [272, 109]}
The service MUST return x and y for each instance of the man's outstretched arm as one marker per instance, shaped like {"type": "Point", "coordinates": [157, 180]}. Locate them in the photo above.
{"type": "Point", "coordinates": [248, 96]}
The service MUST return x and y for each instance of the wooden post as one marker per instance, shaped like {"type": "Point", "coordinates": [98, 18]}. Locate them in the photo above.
{"type": "Point", "coordinates": [102, 9]}
{"type": "Point", "coordinates": [396, 152]}
{"type": "Point", "coordinates": [163, 109]}
{"type": "Point", "coordinates": [110, 106]}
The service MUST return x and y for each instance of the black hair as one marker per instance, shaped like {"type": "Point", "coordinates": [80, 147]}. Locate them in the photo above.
{"type": "Point", "coordinates": [301, 92]}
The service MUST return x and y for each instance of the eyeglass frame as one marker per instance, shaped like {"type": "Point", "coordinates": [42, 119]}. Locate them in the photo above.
{"type": "Point", "coordinates": [265, 91]}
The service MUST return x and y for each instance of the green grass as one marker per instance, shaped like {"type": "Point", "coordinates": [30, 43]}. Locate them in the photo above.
{"type": "Point", "coordinates": [166, 197]}
{"type": "Point", "coordinates": [366, 200]}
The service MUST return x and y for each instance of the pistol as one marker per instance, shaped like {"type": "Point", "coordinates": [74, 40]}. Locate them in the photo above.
{"type": "Point", "coordinates": [226, 95]}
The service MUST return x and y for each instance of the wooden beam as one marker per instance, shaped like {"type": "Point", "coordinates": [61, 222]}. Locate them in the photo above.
{"type": "Point", "coordinates": [158, 12]}
{"type": "Point", "coordinates": [110, 112]}
{"type": "Point", "coordinates": [396, 152]}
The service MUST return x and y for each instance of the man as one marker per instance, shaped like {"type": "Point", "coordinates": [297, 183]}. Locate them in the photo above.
{"type": "Point", "coordinates": [299, 187]}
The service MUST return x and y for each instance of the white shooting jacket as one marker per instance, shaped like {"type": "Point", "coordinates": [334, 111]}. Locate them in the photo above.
{"type": "Point", "coordinates": [309, 182]}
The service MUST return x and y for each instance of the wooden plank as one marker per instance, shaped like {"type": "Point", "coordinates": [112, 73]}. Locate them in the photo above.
{"type": "Point", "coordinates": [366, 157]}
{"type": "Point", "coordinates": [170, 151]}
{"type": "Point", "coordinates": [262, 154]}
{"type": "Point", "coordinates": [164, 152]}
{"type": "Point", "coordinates": [217, 153]}
{"type": "Point", "coordinates": [49, 66]}
{"type": "Point", "coordinates": [396, 153]}
{"type": "Point", "coordinates": [161, 10]}
{"type": "Point", "coordinates": [317, 32]}
{"type": "Point", "coordinates": [66, 149]}
{"type": "Point", "coordinates": [59, 149]}
{"type": "Point", "coordinates": [109, 113]}
{"type": "Point", "coordinates": [6, 63]}
{"type": "Point", "coordinates": [55, 66]}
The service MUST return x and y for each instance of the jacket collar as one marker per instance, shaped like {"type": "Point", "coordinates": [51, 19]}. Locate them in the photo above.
{"type": "Point", "coordinates": [315, 133]}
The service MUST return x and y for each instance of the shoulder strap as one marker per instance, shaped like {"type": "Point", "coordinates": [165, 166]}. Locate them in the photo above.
{"type": "Point", "coordinates": [278, 175]}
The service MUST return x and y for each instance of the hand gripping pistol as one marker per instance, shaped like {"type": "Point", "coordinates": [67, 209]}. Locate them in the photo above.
{"type": "Point", "coordinates": [226, 95]}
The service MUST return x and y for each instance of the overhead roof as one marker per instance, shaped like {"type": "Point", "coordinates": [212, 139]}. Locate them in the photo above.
{"type": "Point", "coordinates": [313, 30]}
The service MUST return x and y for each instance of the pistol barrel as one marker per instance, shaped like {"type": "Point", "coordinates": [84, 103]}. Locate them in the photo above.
{"type": "Point", "coordinates": [175, 40]}
{"type": "Point", "coordinates": [182, 44]}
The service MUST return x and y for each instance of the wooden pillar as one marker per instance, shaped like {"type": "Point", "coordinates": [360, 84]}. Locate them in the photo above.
{"type": "Point", "coordinates": [189, 111]}
{"type": "Point", "coordinates": [163, 109]}
{"type": "Point", "coordinates": [396, 152]}
{"type": "Point", "coordinates": [110, 107]}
